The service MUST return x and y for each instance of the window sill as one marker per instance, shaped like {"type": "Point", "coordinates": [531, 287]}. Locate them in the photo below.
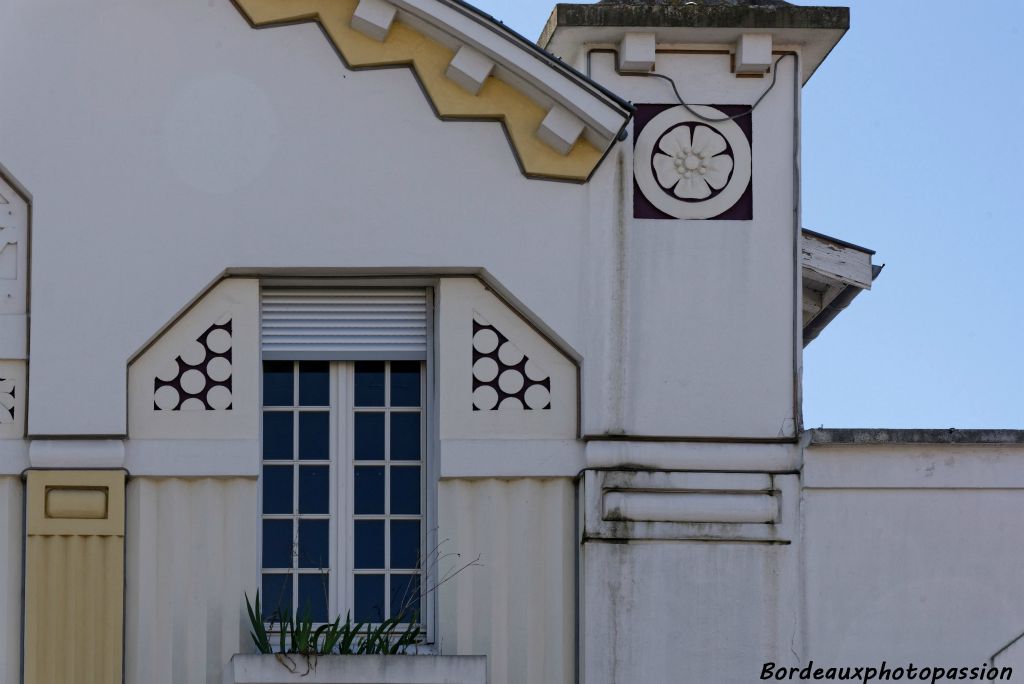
{"type": "Point", "coordinates": [360, 669]}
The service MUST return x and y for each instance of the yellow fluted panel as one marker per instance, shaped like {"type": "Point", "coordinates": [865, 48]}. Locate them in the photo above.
{"type": "Point", "coordinates": [429, 59]}
{"type": "Point", "coordinates": [74, 578]}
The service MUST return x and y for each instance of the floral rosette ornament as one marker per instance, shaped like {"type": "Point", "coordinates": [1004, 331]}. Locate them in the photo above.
{"type": "Point", "coordinates": [692, 164]}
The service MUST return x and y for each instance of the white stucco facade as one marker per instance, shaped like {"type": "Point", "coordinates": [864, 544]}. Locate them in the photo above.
{"type": "Point", "coordinates": [606, 291]}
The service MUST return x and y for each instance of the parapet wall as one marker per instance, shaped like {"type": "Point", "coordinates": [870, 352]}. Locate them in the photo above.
{"type": "Point", "coordinates": [912, 545]}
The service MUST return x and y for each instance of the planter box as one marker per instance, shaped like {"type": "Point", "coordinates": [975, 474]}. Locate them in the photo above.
{"type": "Point", "coordinates": [360, 669]}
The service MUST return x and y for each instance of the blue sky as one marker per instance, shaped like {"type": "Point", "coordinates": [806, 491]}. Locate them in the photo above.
{"type": "Point", "coordinates": [912, 146]}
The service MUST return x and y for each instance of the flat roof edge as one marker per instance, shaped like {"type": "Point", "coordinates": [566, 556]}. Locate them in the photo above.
{"type": "Point", "coordinates": [841, 243]}
{"type": "Point", "coordinates": [883, 436]}
{"type": "Point", "coordinates": [696, 16]}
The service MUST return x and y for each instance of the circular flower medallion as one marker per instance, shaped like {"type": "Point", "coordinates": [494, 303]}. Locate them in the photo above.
{"type": "Point", "coordinates": [691, 168]}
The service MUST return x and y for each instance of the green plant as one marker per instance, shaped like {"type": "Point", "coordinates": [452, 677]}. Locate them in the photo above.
{"type": "Point", "coordinates": [298, 637]}
{"type": "Point", "coordinates": [385, 639]}
{"type": "Point", "coordinates": [259, 630]}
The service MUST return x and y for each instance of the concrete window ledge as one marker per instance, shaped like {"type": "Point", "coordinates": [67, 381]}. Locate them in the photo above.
{"type": "Point", "coordinates": [360, 669]}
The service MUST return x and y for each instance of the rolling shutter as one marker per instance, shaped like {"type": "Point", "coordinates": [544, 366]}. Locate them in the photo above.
{"type": "Point", "coordinates": [344, 324]}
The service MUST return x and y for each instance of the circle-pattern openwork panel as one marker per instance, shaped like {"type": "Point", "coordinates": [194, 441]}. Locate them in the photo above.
{"type": "Point", "coordinates": [691, 168]}
{"type": "Point", "coordinates": [7, 390]}
{"type": "Point", "coordinates": [200, 378]}
{"type": "Point", "coordinates": [503, 376]}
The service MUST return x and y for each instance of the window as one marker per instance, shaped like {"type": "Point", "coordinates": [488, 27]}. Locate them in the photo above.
{"type": "Point", "coordinates": [344, 485]}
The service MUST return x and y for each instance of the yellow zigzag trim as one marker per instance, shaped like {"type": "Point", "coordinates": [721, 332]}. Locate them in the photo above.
{"type": "Point", "coordinates": [429, 59]}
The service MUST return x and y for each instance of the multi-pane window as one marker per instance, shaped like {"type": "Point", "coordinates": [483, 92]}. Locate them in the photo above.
{"type": "Point", "coordinates": [297, 485]}
{"type": "Point", "coordinates": [387, 488]}
{"type": "Point", "coordinates": [343, 484]}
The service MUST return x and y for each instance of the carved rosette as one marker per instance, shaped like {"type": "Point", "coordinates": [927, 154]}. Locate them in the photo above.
{"type": "Point", "coordinates": [691, 168]}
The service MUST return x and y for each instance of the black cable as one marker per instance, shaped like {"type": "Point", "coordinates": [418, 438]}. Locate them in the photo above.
{"type": "Point", "coordinates": [775, 73]}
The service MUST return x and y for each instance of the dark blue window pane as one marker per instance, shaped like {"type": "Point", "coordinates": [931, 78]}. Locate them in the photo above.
{"type": "Point", "coordinates": [314, 489]}
{"type": "Point", "coordinates": [277, 489]}
{"type": "Point", "coordinates": [315, 436]}
{"type": "Point", "coordinates": [314, 544]}
{"type": "Point", "coordinates": [277, 543]}
{"type": "Point", "coordinates": [405, 436]}
{"type": "Point", "coordinates": [369, 437]}
{"type": "Point", "coordinates": [369, 544]}
{"type": "Point", "coordinates": [369, 598]}
{"type": "Point", "coordinates": [369, 490]}
{"type": "Point", "coordinates": [405, 597]}
{"type": "Point", "coordinates": [277, 435]}
{"type": "Point", "coordinates": [405, 383]}
{"type": "Point", "coordinates": [405, 491]}
{"type": "Point", "coordinates": [369, 383]}
{"type": "Point", "coordinates": [277, 383]}
{"type": "Point", "coordinates": [276, 597]}
{"type": "Point", "coordinates": [313, 597]}
{"type": "Point", "coordinates": [405, 544]}
{"type": "Point", "coordinates": [314, 384]}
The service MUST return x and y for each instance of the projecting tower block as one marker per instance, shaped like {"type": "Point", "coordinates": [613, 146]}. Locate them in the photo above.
{"type": "Point", "coordinates": [693, 374]}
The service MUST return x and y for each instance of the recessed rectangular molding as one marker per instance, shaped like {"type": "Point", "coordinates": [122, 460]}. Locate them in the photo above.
{"type": "Point", "coordinates": [690, 507]}
{"type": "Point", "coordinates": [469, 69]}
{"type": "Point", "coordinates": [76, 502]}
{"type": "Point", "coordinates": [693, 456]}
{"type": "Point", "coordinates": [374, 18]}
{"type": "Point", "coordinates": [560, 129]}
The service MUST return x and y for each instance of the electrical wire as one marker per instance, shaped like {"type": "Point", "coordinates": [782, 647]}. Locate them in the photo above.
{"type": "Point", "coordinates": [775, 73]}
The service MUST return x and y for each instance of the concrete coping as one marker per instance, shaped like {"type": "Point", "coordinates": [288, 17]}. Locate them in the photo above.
{"type": "Point", "coordinates": [876, 436]}
{"type": "Point", "coordinates": [631, 14]}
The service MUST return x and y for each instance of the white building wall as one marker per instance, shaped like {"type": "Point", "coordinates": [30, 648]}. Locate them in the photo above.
{"type": "Point", "coordinates": [706, 308]}
{"type": "Point", "coordinates": [657, 611]}
{"type": "Point", "coordinates": [215, 146]}
{"type": "Point", "coordinates": [191, 552]}
{"type": "Point", "coordinates": [517, 606]}
{"type": "Point", "coordinates": [913, 553]}
{"type": "Point", "coordinates": [703, 343]}
{"type": "Point", "coordinates": [11, 541]}
{"type": "Point", "coordinates": [688, 576]}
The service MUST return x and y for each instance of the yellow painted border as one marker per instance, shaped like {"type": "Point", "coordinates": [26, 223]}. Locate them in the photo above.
{"type": "Point", "coordinates": [428, 59]}
{"type": "Point", "coordinates": [39, 481]}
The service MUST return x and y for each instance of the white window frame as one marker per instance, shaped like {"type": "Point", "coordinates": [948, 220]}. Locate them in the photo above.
{"type": "Point", "coordinates": [296, 463]}
{"type": "Point", "coordinates": [347, 408]}
{"type": "Point", "coordinates": [342, 538]}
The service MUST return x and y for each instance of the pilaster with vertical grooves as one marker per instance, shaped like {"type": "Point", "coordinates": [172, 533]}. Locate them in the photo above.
{"type": "Point", "coordinates": [74, 576]}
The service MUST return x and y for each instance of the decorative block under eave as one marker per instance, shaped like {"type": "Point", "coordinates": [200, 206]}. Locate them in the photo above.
{"type": "Point", "coordinates": [754, 53]}
{"type": "Point", "coordinates": [560, 129]}
{"type": "Point", "coordinates": [637, 53]}
{"type": "Point", "coordinates": [374, 18]}
{"type": "Point", "coordinates": [469, 69]}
